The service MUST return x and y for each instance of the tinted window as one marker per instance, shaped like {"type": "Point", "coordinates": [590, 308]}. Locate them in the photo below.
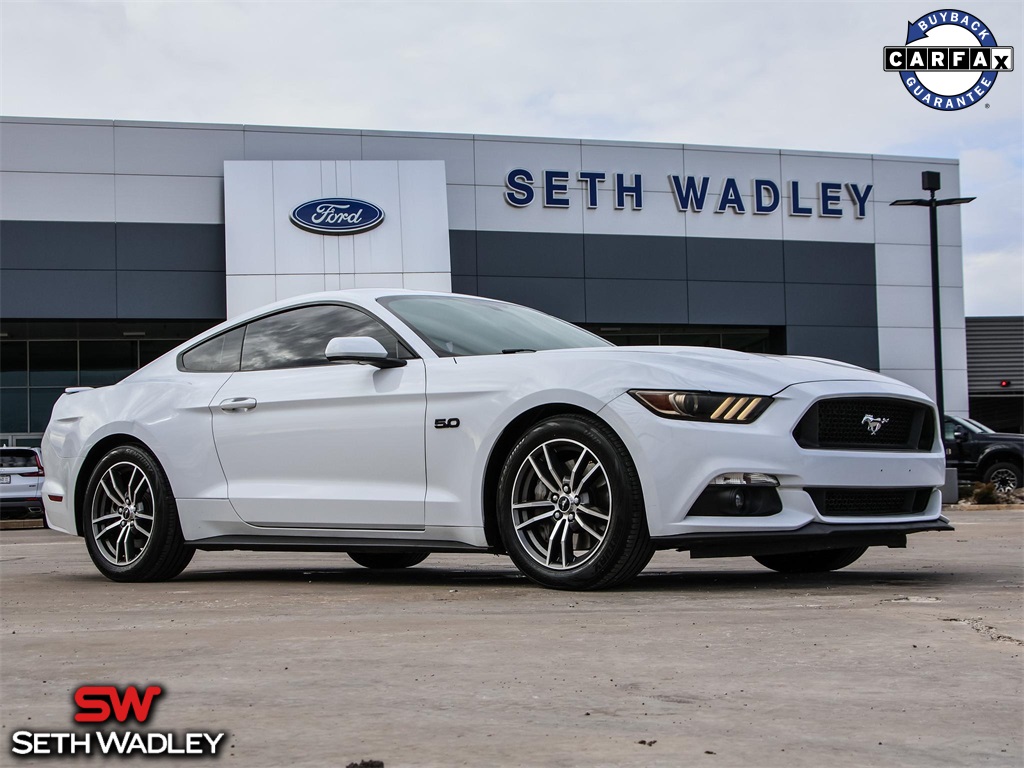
{"type": "Point", "coordinates": [53, 364]}
{"type": "Point", "coordinates": [13, 364]}
{"type": "Point", "coordinates": [40, 406]}
{"type": "Point", "coordinates": [218, 355]}
{"type": "Point", "coordinates": [455, 326]}
{"type": "Point", "coordinates": [105, 362]}
{"type": "Point", "coordinates": [298, 338]}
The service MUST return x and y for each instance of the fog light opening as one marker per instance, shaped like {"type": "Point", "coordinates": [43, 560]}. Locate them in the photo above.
{"type": "Point", "coordinates": [737, 500]}
{"type": "Point", "coordinates": [746, 478]}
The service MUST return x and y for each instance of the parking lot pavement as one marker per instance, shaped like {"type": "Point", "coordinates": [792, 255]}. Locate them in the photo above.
{"type": "Point", "coordinates": [909, 657]}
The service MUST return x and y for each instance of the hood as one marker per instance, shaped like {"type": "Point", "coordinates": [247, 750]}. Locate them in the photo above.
{"type": "Point", "coordinates": [723, 370]}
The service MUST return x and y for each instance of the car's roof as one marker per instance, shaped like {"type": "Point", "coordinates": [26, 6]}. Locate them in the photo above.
{"type": "Point", "coordinates": [356, 295]}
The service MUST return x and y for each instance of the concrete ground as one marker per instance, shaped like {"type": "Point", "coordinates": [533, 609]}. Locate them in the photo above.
{"type": "Point", "coordinates": [909, 657]}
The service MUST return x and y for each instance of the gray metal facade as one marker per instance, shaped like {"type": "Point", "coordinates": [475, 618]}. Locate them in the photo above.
{"type": "Point", "coordinates": [823, 293]}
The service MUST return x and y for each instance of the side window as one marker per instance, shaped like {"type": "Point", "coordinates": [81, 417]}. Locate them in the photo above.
{"type": "Point", "coordinates": [220, 354]}
{"type": "Point", "coordinates": [297, 338]}
{"type": "Point", "coordinates": [950, 430]}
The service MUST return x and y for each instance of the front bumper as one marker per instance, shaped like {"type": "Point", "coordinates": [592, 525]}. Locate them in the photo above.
{"type": "Point", "coordinates": [677, 460]}
{"type": "Point", "coordinates": [813, 537]}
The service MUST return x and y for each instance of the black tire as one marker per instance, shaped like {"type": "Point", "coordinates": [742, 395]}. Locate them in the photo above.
{"type": "Point", "coordinates": [388, 560]}
{"type": "Point", "coordinates": [1004, 474]}
{"type": "Point", "coordinates": [811, 562]}
{"type": "Point", "coordinates": [160, 557]}
{"type": "Point", "coordinates": [624, 548]}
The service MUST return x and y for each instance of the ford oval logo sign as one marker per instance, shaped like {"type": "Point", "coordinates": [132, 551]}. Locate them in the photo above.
{"type": "Point", "coordinates": [337, 216]}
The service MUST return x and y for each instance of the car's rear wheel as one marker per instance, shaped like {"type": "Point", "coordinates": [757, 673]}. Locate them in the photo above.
{"type": "Point", "coordinates": [386, 560]}
{"type": "Point", "coordinates": [570, 507]}
{"type": "Point", "coordinates": [131, 520]}
{"type": "Point", "coordinates": [811, 562]}
{"type": "Point", "coordinates": [1005, 476]}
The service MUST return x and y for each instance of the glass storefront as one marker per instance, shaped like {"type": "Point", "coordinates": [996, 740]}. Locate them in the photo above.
{"type": "Point", "coordinates": [763, 340]}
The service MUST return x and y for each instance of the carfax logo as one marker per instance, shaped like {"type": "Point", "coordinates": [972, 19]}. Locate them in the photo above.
{"type": "Point", "coordinates": [950, 60]}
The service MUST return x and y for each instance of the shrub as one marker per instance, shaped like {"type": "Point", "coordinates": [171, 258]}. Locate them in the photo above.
{"type": "Point", "coordinates": [986, 493]}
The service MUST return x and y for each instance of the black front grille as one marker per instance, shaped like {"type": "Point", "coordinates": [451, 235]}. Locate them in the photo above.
{"type": "Point", "coordinates": [869, 502]}
{"type": "Point", "coordinates": [867, 424]}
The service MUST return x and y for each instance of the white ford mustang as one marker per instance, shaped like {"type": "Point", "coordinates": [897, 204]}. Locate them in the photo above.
{"type": "Point", "coordinates": [390, 424]}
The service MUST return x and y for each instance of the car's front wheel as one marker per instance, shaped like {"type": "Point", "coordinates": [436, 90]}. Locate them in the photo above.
{"type": "Point", "coordinates": [131, 520]}
{"type": "Point", "coordinates": [570, 507]}
{"type": "Point", "coordinates": [812, 562]}
{"type": "Point", "coordinates": [388, 560]}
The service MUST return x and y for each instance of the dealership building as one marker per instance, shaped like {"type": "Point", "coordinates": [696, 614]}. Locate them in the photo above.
{"type": "Point", "coordinates": [118, 240]}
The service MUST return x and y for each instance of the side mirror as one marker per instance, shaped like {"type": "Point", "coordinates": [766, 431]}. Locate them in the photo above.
{"type": "Point", "coordinates": [360, 349]}
{"type": "Point", "coordinates": [960, 435]}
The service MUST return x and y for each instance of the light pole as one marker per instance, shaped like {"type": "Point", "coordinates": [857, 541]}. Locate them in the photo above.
{"type": "Point", "coordinates": [930, 182]}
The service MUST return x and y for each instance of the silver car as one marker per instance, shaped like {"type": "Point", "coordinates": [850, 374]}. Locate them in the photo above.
{"type": "Point", "coordinates": [21, 482]}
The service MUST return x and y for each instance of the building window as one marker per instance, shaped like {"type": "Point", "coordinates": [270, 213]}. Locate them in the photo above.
{"type": "Point", "coordinates": [760, 340]}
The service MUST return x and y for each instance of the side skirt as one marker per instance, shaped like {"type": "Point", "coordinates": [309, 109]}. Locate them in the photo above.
{"type": "Point", "coordinates": [328, 544]}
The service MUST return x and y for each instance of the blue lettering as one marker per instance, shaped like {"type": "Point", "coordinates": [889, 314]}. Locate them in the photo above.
{"type": "Point", "coordinates": [828, 193]}
{"type": "Point", "coordinates": [634, 190]}
{"type": "Point", "coordinates": [690, 196]}
{"type": "Point", "coordinates": [730, 198]}
{"type": "Point", "coordinates": [795, 209]}
{"type": "Point", "coordinates": [860, 198]}
{"type": "Point", "coordinates": [521, 193]}
{"type": "Point", "coordinates": [591, 179]}
{"type": "Point", "coordinates": [760, 206]}
{"type": "Point", "coordinates": [553, 185]}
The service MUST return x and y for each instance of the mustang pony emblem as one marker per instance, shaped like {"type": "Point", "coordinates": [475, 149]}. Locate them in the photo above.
{"type": "Point", "coordinates": [874, 424]}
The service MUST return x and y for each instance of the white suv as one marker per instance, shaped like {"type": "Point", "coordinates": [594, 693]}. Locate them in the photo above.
{"type": "Point", "coordinates": [21, 482]}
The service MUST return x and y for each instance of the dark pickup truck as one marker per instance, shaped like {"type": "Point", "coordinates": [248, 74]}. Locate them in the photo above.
{"type": "Point", "coordinates": [978, 453]}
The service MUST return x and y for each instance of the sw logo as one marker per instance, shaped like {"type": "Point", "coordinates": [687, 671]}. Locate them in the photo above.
{"type": "Point", "coordinates": [107, 705]}
{"type": "Point", "coordinates": [950, 60]}
{"type": "Point", "coordinates": [98, 703]}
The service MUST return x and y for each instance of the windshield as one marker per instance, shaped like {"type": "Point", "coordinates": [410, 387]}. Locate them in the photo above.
{"type": "Point", "coordinates": [971, 425]}
{"type": "Point", "coordinates": [980, 427]}
{"type": "Point", "coordinates": [455, 325]}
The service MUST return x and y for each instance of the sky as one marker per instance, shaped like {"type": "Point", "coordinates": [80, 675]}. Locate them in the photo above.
{"type": "Point", "coordinates": [792, 75]}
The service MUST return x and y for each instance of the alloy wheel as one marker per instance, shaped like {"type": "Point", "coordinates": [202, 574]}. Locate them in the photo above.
{"type": "Point", "coordinates": [561, 504]}
{"type": "Point", "coordinates": [122, 513]}
{"type": "Point", "coordinates": [1005, 480]}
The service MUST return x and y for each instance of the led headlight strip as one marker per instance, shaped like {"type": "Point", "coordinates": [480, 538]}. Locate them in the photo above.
{"type": "Point", "coordinates": [703, 406]}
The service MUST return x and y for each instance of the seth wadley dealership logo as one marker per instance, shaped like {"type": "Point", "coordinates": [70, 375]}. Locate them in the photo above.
{"type": "Point", "coordinates": [102, 703]}
{"type": "Point", "coordinates": [691, 193]}
{"type": "Point", "coordinates": [950, 60]}
{"type": "Point", "coordinates": [337, 216]}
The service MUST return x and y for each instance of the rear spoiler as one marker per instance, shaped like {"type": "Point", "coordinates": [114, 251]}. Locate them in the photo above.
{"type": "Point", "coordinates": [73, 390]}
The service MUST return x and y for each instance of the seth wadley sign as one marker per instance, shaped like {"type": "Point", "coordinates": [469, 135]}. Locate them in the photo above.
{"type": "Point", "coordinates": [690, 193]}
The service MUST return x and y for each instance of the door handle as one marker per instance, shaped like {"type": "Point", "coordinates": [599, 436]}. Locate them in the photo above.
{"type": "Point", "coordinates": [238, 404]}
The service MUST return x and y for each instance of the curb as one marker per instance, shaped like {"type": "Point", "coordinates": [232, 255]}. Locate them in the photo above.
{"type": "Point", "coordinates": [17, 525]}
{"type": "Point", "coordinates": [983, 508]}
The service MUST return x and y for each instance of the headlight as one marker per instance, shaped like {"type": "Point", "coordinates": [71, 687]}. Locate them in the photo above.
{"type": "Point", "coordinates": [703, 406]}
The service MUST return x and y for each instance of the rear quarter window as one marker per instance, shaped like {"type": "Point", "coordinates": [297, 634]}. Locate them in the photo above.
{"type": "Point", "coordinates": [221, 354]}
